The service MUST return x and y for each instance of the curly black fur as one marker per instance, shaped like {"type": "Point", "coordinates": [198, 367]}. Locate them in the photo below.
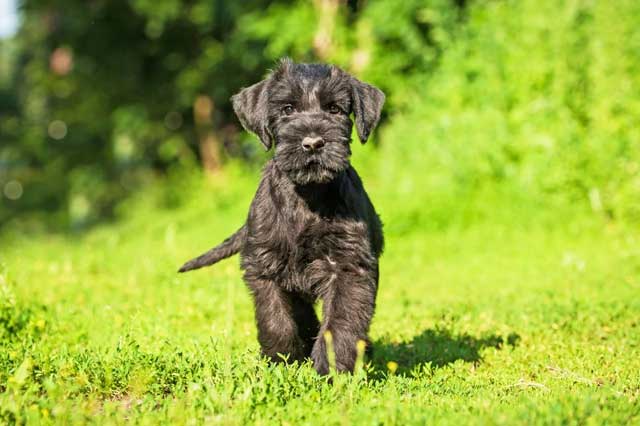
{"type": "Point", "coordinates": [312, 232]}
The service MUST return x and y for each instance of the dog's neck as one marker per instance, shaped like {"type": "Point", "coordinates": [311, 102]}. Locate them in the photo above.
{"type": "Point", "coordinates": [315, 189]}
{"type": "Point", "coordinates": [321, 197]}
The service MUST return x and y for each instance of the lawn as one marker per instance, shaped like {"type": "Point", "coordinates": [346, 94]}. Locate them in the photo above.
{"type": "Point", "coordinates": [488, 323]}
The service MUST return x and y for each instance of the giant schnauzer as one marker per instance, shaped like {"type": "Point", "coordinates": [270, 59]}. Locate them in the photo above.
{"type": "Point", "coordinates": [312, 232]}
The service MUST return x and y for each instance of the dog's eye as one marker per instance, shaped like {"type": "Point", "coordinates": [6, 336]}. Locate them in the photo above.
{"type": "Point", "coordinates": [287, 110]}
{"type": "Point", "coordinates": [334, 109]}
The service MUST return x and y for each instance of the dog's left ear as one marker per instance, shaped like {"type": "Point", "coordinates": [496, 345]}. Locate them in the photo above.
{"type": "Point", "coordinates": [250, 105]}
{"type": "Point", "coordinates": [367, 102]}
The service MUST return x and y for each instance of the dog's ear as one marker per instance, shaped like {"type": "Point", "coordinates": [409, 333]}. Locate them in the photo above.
{"type": "Point", "coordinates": [250, 105]}
{"type": "Point", "coordinates": [366, 104]}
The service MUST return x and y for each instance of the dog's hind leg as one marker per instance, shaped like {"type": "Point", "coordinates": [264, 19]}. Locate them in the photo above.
{"type": "Point", "coordinates": [307, 322]}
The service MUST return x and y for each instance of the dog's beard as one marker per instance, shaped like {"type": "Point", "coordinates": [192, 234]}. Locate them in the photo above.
{"type": "Point", "coordinates": [322, 167]}
{"type": "Point", "coordinates": [313, 172]}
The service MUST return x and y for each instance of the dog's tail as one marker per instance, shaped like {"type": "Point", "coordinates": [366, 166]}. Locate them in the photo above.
{"type": "Point", "coordinates": [228, 247]}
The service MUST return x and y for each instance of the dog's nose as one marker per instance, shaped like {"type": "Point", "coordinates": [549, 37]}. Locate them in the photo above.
{"type": "Point", "coordinates": [312, 143]}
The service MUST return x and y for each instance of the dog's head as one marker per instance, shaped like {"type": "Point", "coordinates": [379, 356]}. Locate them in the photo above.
{"type": "Point", "coordinates": [304, 110]}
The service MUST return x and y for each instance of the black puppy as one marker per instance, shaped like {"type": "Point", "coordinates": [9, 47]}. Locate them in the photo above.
{"type": "Point", "coordinates": [312, 232]}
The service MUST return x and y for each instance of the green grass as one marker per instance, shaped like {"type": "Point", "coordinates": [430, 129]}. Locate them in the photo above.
{"type": "Point", "coordinates": [489, 323]}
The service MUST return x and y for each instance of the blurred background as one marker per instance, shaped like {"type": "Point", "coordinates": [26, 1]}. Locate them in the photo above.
{"type": "Point", "coordinates": [514, 111]}
{"type": "Point", "coordinates": [506, 170]}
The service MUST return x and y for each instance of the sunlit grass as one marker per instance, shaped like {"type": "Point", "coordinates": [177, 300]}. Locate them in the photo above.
{"type": "Point", "coordinates": [484, 323]}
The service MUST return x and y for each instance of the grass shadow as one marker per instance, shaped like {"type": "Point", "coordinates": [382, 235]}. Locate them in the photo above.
{"type": "Point", "coordinates": [437, 347]}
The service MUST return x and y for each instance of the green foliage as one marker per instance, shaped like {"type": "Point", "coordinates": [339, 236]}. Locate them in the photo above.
{"type": "Point", "coordinates": [103, 97]}
{"type": "Point", "coordinates": [107, 90]}
{"type": "Point", "coordinates": [528, 101]}
{"type": "Point", "coordinates": [532, 105]}
{"type": "Point", "coordinates": [392, 53]}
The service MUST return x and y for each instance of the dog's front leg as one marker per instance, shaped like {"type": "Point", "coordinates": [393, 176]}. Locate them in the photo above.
{"type": "Point", "coordinates": [284, 321]}
{"type": "Point", "coordinates": [348, 307]}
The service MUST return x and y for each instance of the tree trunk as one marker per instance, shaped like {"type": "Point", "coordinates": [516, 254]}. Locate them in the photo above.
{"type": "Point", "coordinates": [208, 141]}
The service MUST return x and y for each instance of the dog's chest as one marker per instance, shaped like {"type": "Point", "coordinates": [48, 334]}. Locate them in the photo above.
{"type": "Point", "coordinates": [313, 251]}
{"type": "Point", "coordinates": [305, 239]}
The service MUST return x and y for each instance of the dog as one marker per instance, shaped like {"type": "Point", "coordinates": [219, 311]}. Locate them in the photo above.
{"type": "Point", "coordinates": [312, 232]}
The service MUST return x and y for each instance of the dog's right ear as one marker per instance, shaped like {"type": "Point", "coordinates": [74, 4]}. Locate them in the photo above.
{"type": "Point", "coordinates": [250, 105]}
{"type": "Point", "coordinates": [367, 105]}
